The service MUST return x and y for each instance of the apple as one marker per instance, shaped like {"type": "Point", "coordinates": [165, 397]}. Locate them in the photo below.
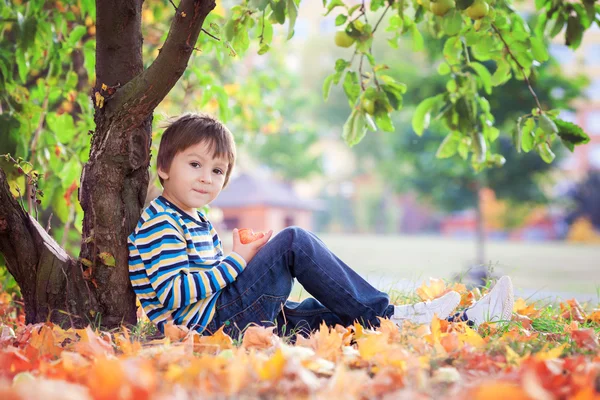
{"type": "Point", "coordinates": [478, 9]}
{"type": "Point", "coordinates": [342, 39]}
{"type": "Point", "coordinates": [249, 236]}
{"type": "Point", "coordinates": [441, 7]}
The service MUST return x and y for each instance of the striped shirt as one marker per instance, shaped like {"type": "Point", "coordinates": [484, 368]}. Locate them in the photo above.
{"type": "Point", "coordinates": [177, 267]}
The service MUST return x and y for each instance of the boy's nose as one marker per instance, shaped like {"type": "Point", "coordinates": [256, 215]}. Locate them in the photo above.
{"type": "Point", "coordinates": [205, 178]}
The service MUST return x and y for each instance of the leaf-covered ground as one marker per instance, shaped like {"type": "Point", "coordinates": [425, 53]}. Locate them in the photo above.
{"type": "Point", "coordinates": [545, 352]}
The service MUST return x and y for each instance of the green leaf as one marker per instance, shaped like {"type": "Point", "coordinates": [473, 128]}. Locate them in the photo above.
{"type": "Point", "coordinates": [327, 86]}
{"type": "Point", "coordinates": [22, 65]}
{"type": "Point", "coordinates": [443, 69]}
{"type": "Point", "coordinates": [267, 34]}
{"type": "Point", "coordinates": [545, 152]}
{"type": "Point", "coordinates": [62, 126]}
{"type": "Point", "coordinates": [351, 87]}
{"type": "Point", "coordinates": [464, 4]}
{"type": "Point", "coordinates": [384, 122]}
{"type": "Point", "coordinates": [263, 49]}
{"type": "Point", "coordinates": [502, 73]}
{"type": "Point", "coordinates": [574, 32]}
{"type": "Point", "coordinates": [558, 25]}
{"type": "Point", "coordinates": [394, 95]}
{"type": "Point", "coordinates": [452, 50]}
{"type": "Point", "coordinates": [538, 48]}
{"type": "Point", "coordinates": [418, 42]}
{"type": "Point", "coordinates": [547, 125]}
{"type": "Point", "coordinates": [355, 127]}
{"type": "Point", "coordinates": [422, 115]}
{"type": "Point", "coordinates": [76, 34]}
{"type": "Point", "coordinates": [448, 147]}
{"type": "Point", "coordinates": [570, 134]}
{"type": "Point", "coordinates": [484, 74]}
{"type": "Point", "coordinates": [370, 123]}
{"type": "Point", "coordinates": [107, 259]}
{"type": "Point", "coordinates": [527, 136]}
{"type": "Point", "coordinates": [278, 8]}
{"type": "Point", "coordinates": [452, 22]}
{"type": "Point", "coordinates": [334, 4]}
{"type": "Point", "coordinates": [292, 9]}
{"type": "Point", "coordinates": [340, 19]}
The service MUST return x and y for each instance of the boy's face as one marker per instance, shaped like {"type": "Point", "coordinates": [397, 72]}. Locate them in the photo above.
{"type": "Point", "coordinates": [194, 178]}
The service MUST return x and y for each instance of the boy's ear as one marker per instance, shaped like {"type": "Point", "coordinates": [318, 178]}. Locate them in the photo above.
{"type": "Point", "coordinates": [162, 174]}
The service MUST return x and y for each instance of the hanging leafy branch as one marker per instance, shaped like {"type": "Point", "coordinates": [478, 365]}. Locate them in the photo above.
{"type": "Point", "coordinates": [485, 43]}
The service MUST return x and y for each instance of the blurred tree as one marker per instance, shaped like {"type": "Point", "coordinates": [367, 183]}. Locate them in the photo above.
{"type": "Point", "coordinates": [585, 197]}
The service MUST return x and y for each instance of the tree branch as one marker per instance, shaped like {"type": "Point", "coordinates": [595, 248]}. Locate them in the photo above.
{"type": "Point", "coordinates": [138, 98]}
{"type": "Point", "coordinates": [49, 279]}
{"type": "Point", "coordinates": [537, 101]}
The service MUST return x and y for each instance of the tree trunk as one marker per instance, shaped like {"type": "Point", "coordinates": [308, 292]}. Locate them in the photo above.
{"type": "Point", "coordinates": [114, 181]}
{"type": "Point", "coordinates": [479, 226]}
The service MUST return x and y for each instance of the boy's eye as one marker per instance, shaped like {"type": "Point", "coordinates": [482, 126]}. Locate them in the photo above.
{"type": "Point", "coordinates": [218, 171]}
{"type": "Point", "coordinates": [195, 164]}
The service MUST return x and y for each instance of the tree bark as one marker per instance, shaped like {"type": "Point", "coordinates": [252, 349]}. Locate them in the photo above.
{"type": "Point", "coordinates": [114, 181]}
{"type": "Point", "coordinates": [52, 284]}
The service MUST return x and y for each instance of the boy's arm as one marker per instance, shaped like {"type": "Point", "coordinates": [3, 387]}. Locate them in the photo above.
{"type": "Point", "coordinates": [162, 246]}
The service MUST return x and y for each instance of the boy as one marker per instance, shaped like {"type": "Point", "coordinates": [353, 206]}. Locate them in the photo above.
{"type": "Point", "coordinates": [180, 274]}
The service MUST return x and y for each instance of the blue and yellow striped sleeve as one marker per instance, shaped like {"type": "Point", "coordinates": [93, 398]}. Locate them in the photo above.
{"type": "Point", "coordinates": [162, 247]}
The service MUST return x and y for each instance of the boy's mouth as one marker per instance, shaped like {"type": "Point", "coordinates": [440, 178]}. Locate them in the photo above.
{"type": "Point", "coordinates": [200, 191]}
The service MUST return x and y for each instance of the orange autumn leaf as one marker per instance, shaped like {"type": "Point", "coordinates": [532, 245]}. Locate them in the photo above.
{"type": "Point", "coordinates": [498, 391]}
{"type": "Point", "coordinates": [523, 320]}
{"type": "Point", "coordinates": [571, 309]}
{"type": "Point", "coordinates": [522, 308]}
{"type": "Point", "coordinates": [106, 379]}
{"type": "Point", "coordinates": [214, 343]}
{"type": "Point", "coordinates": [594, 316]}
{"type": "Point", "coordinates": [586, 338]}
{"type": "Point", "coordinates": [175, 332]}
{"type": "Point", "coordinates": [259, 337]}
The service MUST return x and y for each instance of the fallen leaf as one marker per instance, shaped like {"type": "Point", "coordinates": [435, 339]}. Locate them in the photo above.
{"type": "Point", "coordinates": [175, 332]}
{"type": "Point", "coordinates": [214, 343]}
{"type": "Point", "coordinates": [433, 290]}
{"type": "Point", "coordinates": [585, 338]}
{"type": "Point", "coordinates": [259, 337]}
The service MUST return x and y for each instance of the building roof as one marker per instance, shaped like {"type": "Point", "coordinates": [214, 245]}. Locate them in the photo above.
{"type": "Point", "coordinates": [247, 190]}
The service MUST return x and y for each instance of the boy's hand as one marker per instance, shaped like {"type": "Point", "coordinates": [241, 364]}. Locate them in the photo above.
{"type": "Point", "coordinates": [249, 250]}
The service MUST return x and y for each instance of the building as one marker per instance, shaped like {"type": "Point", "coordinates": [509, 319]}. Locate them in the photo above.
{"type": "Point", "coordinates": [261, 204]}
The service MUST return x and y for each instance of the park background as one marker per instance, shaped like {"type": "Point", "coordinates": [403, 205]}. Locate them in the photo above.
{"type": "Point", "coordinates": [387, 206]}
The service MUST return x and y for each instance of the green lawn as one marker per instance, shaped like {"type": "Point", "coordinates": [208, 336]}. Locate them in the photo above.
{"type": "Point", "coordinates": [538, 269]}
{"type": "Point", "coordinates": [557, 267]}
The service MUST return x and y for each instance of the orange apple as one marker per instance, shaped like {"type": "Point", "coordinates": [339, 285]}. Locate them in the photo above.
{"type": "Point", "coordinates": [249, 236]}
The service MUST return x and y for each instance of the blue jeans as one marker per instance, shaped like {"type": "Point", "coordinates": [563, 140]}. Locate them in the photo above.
{"type": "Point", "coordinates": [260, 293]}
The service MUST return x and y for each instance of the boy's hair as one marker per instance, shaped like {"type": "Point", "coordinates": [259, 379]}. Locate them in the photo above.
{"type": "Point", "coordinates": [191, 129]}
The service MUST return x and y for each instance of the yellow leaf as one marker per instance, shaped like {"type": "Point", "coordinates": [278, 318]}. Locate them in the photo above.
{"type": "Point", "coordinates": [372, 345]}
{"type": "Point", "coordinates": [512, 357]}
{"type": "Point", "coordinates": [471, 337]}
{"type": "Point", "coordinates": [99, 100]}
{"type": "Point", "coordinates": [273, 367]}
{"type": "Point", "coordinates": [550, 354]}
{"type": "Point", "coordinates": [435, 289]}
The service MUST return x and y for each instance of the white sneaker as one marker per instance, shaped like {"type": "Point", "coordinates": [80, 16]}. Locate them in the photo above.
{"type": "Point", "coordinates": [422, 313]}
{"type": "Point", "coordinates": [495, 306]}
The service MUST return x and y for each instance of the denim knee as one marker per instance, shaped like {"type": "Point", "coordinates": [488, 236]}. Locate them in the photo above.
{"type": "Point", "coordinates": [294, 233]}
